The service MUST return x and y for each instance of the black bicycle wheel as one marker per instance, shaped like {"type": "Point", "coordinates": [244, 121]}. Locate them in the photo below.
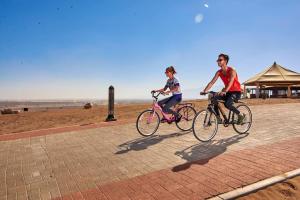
{"type": "Point", "coordinates": [205, 126]}
{"type": "Point", "coordinates": [188, 114]}
{"type": "Point", "coordinates": [147, 122]}
{"type": "Point", "coordinates": [247, 122]}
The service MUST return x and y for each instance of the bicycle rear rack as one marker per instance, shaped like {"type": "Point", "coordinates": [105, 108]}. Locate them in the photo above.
{"type": "Point", "coordinates": [186, 104]}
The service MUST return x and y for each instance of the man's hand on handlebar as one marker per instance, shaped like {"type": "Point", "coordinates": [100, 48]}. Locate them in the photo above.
{"type": "Point", "coordinates": [203, 93]}
{"type": "Point", "coordinates": [222, 93]}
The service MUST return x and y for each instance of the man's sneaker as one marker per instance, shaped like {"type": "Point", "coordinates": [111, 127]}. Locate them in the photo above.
{"type": "Point", "coordinates": [178, 118]}
{"type": "Point", "coordinates": [219, 119]}
{"type": "Point", "coordinates": [240, 119]}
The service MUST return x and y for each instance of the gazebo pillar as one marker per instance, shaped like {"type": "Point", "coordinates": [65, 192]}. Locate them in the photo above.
{"type": "Point", "coordinates": [289, 92]}
{"type": "Point", "coordinates": [257, 90]}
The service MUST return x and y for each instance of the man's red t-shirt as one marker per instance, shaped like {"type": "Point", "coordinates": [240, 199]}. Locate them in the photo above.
{"type": "Point", "coordinates": [236, 86]}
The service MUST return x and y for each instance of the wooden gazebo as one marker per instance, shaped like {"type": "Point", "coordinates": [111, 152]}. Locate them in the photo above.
{"type": "Point", "coordinates": [275, 81]}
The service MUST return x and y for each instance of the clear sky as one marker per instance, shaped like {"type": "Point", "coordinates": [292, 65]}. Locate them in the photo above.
{"type": "Point", "coordinates": [51, 49]}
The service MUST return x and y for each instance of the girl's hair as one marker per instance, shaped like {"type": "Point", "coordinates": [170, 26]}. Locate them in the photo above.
{"type": "Point", "coordinates": [171, 69]}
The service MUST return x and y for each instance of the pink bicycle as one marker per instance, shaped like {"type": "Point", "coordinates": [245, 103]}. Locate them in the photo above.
{"type": "Point", "coordinates": [148, 121]}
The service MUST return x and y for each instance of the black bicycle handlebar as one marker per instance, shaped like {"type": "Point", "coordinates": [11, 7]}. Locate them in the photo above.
{"type": "Point", "coordinates": [155, 96]}
{"type": "Point", "coordinates": [205, 93]}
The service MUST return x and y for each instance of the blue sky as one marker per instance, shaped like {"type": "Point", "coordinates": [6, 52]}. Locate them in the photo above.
{"type": "Point", "coordinates": [62, 49]}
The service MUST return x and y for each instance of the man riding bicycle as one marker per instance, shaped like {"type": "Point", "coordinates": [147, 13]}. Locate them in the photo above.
{"type": "Point", "coordinates": [232, 90]}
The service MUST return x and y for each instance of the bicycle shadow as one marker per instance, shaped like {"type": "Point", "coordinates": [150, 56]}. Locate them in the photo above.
{"type": "Point", "coordinates": [200, 154]}
{"type": "Point", "coordinates": [144, 142]}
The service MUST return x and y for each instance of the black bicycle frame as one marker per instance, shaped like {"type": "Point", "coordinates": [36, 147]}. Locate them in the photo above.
{"type": "Point", "coordinates": [227, 121]}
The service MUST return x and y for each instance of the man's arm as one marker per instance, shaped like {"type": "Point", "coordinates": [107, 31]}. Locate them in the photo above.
{"type": "Point", "coordinates": [232, 76]}
{"type": "Point", "coordinates": [212, 82]}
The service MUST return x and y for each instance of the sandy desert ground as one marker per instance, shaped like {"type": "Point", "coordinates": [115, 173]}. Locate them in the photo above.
{"type": "Point", "coordinates": [288, 190]}
{"type": "Point", "coordinates": [50, 118]}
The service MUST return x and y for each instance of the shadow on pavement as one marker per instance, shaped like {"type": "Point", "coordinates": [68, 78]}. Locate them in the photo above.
{"type": "Point", "coordinates": [144, 142]}
{"type": "Point", "coordinates": [201, 153]}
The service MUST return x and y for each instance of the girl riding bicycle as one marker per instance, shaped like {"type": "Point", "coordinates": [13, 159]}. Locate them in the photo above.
{"type": "Point", "coordinates": [174, 88]}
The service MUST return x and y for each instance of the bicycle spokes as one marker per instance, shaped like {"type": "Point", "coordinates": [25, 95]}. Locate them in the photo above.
{"type": "Point", "coordinates": [147, 122]}
{"type": "Point", "coordinates": [247, 121]}
{"type": "Point", "coordinates": [150, 117]}
{"type": "Point", "coordinates": [188, 114]}
{"type": "Point", "coordinates": [205, 125]}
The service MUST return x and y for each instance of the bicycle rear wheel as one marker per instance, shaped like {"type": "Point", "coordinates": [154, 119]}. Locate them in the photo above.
{"type": "Point", "coordinates": [205, 126]}
{"type": "Point", "coordinates": [147, 122]}
{"type": "Point", "coordinates": [188, 114]}
{"type": "Point", "coordinates": [247, 122]}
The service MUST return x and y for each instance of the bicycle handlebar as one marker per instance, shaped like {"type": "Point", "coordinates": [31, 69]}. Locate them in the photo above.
{"type": "Point", "coordinates": [155, 96]}
{"type": "Point", "coordinates": [205, 93]}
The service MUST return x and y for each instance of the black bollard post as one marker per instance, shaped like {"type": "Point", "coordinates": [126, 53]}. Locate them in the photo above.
{"type": "Point", "coordinates": [111, 104]}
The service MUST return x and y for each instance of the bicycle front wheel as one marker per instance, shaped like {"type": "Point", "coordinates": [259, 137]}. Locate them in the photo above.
{"type": "Point", "coordinates": [147, 122]}
{"type": "Point", "coordinates": [205, 126]}
{"type": "Point", "coordinates": [247, 122]}
{"type": "Point", "coordinates": [188, 114]}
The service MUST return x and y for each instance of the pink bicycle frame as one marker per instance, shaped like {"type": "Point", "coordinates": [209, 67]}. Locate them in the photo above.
{"type": "Point", "coordinates": [156, 107]}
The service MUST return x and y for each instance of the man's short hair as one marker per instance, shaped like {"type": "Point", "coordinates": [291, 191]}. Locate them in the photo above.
{"type": "Point", "coordinates": [226, 57]}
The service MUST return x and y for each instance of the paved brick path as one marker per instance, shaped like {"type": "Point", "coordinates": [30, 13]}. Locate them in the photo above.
{"type": "Point", "coordinates": [204, 178]}
{"type": "Point", "coordinates": [115, 162]}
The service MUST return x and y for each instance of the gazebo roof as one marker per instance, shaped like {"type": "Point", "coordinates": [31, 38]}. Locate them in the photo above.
{"type": "Point", "coordinates": [275, 74]}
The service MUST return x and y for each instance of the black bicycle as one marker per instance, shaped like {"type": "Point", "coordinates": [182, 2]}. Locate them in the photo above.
{"type": "Point", "coordinates": [205, 124]}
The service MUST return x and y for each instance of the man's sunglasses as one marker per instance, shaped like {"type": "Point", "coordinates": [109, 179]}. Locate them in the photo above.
{"type": "Point", "coordinates": [219, 60]}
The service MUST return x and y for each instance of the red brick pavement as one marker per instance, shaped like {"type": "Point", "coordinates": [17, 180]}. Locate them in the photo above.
{"type": "Point", "coordinates": [204, 178]}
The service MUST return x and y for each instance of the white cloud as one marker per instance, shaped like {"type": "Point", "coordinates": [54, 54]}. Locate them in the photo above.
{"type": "Point", "coordinates": [199, 18]}
{"type": "Point", "coordinates": [206, 5]}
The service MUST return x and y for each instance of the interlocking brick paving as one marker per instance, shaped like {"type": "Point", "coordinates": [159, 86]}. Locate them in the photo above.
{"type": "Point", "coordinates": [203, 178]}
{"type": "Point", "coordinates": [120, 164]}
